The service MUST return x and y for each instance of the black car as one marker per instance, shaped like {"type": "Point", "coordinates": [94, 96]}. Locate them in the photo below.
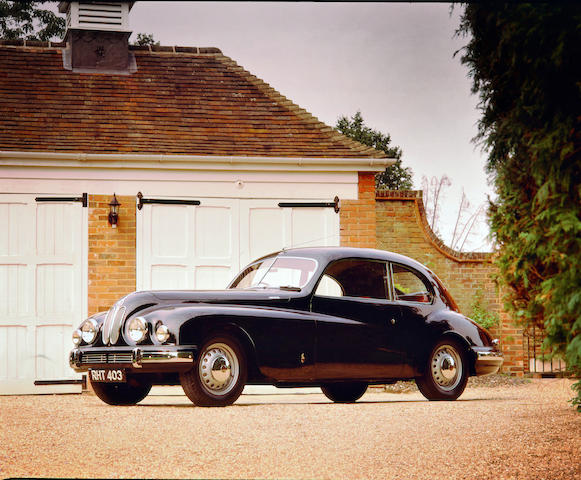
{"type": "Point", "coordinates": [338, 318]}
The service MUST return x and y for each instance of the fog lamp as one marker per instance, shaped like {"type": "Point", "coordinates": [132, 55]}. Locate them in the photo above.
{"type": "Point", "coordinates": [77, 337]}
{"type": "Point", "coordinates": [161, 333]}
{"type": "Point", "coordinates": [138, 329]}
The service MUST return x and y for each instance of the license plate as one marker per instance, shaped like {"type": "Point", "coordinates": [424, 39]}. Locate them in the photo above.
{"type": "Point", "coordinates": [108, 376]}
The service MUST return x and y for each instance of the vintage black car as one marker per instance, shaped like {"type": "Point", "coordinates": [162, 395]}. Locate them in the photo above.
{"type": "Point", "coordinates": [338, 318]}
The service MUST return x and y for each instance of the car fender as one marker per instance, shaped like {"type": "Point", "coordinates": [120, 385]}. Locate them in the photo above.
{"type": "Point", "coordinates": [449, 324]}
{"type": "Point", "coordinates": [276, 339]}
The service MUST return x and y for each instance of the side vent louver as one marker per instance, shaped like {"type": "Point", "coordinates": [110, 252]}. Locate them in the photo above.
{"type": "Point", "coordinates": [97, 15]}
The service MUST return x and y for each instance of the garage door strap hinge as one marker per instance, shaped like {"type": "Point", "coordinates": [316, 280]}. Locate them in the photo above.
{"type": "Point", "coordinates": [335, 204]}
{"type": "Point", "coordinates": [84, 199]}
{"type": "Point", "coordinates": [80, 381]}
{"type": "Point", "coordinates": [163, 201]}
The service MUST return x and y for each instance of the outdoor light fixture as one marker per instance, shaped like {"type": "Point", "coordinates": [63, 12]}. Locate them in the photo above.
{"type": "Point", "coordinates": [114, 211]}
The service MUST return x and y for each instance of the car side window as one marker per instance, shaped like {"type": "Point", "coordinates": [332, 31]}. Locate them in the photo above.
{"type": "Point", "coordinates": [355, 278]}
{"type": "Point", "coordinates": [410, 286]}
{"type": "Point", "coordinates": [329, 287]}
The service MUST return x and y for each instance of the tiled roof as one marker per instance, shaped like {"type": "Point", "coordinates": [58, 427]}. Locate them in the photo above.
{"type": "Point", "coordinates": [186, 100]}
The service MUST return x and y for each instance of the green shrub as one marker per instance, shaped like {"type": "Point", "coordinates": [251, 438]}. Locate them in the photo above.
{"type": "Point", "coordinates": [481, 314]}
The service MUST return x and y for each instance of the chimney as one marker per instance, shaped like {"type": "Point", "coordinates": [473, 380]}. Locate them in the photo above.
{"type": "Point", "coordinates": [98, 37]}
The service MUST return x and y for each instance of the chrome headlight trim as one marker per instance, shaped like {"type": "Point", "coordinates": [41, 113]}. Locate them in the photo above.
{"type": "Point", "coordinates": [137, 329]}
{"type": "Point", "coordinates": [89, 330]}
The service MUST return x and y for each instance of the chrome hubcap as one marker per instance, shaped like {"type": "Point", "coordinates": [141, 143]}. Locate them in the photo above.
{"type": "Point", "coordinates": [218, 369]}
{"type": "Point", "coordinates": [446, 367]}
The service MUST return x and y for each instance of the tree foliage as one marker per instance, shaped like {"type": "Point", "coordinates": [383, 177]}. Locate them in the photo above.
{"type": "Point", "coordinates": [524, 63]}
{"type": "Point", "coordinates": [145, 39]}
{"type": "Point", "coordinates": [395, 177]}
{"type": "Point", "coordinates": [27, 20]}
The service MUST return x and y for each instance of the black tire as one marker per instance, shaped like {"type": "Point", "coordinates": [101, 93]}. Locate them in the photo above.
{"type": "Point", "coordinates": [218, 375]}
{"type": "Point", "coordinates": [446, 371]}
{"type": "Point", "coordinates": [347, 392]}
{"type": "Point", "coordinates": [129, 393]}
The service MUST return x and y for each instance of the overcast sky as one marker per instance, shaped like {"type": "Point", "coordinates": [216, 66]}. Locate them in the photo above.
{"type": "Point", "coordinates": [394, 62]}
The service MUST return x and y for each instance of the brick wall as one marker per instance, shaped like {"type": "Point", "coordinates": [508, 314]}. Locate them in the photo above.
{"type": "Point", "coordinates": [358, 217]}
{"type": "Point", "coordinates": [111, 252]}
{"type": "Point", "coordinates": [402, 228]}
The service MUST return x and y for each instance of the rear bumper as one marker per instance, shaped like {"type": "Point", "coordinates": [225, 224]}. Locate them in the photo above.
{"type": "Point", "coordinates": [147, 358]}
{"type": "Point", "coordinates": [488, 361]}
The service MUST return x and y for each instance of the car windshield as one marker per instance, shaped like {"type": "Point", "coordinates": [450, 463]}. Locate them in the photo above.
{"type": "Point", "coordinates": [286, 273]}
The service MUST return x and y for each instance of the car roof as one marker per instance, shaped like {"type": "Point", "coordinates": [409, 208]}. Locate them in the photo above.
{"type": "Point", "coordinates": [328, 254]}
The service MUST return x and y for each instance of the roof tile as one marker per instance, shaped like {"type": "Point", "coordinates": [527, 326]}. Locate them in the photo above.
{"type": "Point", "coordinates": [181, 100]}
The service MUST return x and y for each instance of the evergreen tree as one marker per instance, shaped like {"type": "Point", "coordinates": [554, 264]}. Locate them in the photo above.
{"type": "Point", "coordinates": [524, 63]}
{"type": "Point", "coordinates": [395, 177]}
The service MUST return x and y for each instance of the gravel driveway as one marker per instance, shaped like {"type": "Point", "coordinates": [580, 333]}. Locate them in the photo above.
{"type": "Point", "coordinates": [509, 432]}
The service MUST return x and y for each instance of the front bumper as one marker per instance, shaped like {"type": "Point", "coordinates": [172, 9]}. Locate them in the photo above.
{"type": "Point", "coordinates": [488, 361]}
{"type": "Point", "coordinates": [146, 358]}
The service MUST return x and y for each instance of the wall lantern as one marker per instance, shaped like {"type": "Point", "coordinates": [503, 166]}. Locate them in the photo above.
{"type": "Point", "coordinates": [114, 211]}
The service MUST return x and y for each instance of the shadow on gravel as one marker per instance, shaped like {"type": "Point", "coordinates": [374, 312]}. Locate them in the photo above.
{"type": "Point", "coordinates": [361, 402]}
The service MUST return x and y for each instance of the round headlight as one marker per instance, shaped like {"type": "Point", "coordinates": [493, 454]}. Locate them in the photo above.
{"type": "Point", "coordinates": [77, 337]}
{"type": "Point", "coordinates": [89, 331]}
{"type": "Point", "coordinates": [161, 333]}
{"type": "Point", "coordinates": [138, 329]}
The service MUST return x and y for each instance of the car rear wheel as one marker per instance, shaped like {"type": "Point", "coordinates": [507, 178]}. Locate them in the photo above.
{"type": "Point", "coordinates": [347, 392]}
{"type": "Point", "coordinates": [446, 372]}
{"type": "Point", "coordinates": [218, 375]}
{"type": "Point", "coordinates": [129, 393]}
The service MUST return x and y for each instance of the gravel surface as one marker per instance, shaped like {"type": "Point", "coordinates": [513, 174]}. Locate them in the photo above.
{"type": "Point", "coordinates": [496, 380]}
{"type": "Point", "coordinates": [528, 431]}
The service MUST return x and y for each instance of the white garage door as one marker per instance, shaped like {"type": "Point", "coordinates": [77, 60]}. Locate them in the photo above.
{"type": "Point", "coordinates": [42, 247]}
{"type": "Point", "coordinates": [203, 247]}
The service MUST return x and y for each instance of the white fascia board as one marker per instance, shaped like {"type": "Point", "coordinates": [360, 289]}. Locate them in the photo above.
{"type": "Point", "coordinates": [191, 162]}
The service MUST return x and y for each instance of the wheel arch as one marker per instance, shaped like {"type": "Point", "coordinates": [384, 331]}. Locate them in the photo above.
{"type": "Point", "coordinates": [461, 341]}
{"type": "Point", "coordinates": [198, 330]}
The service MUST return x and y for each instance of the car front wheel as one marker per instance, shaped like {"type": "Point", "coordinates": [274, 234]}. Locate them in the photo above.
{"type": "Point", "coordinates": [446, 372]}
{"type": "Point", "coordinates": [129, 393]}
{"type": "Point", "coordinates": [218, 375]}
{"type": "Point", "coordinates": [348, 392]}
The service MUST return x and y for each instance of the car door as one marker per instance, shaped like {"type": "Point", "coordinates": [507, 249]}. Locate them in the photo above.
{"type": "Point", "coordinates": [414, 294]}
{"type": "Point", "coordinates": [357, 328]}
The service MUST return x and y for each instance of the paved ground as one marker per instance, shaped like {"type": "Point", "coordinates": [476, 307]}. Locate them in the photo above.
{"type": "Point", "coordinates": [508, 432]}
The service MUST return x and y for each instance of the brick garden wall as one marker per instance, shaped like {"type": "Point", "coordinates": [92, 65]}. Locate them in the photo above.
{"type": "Point", "coordinates": [402, 228]}
{"type": "Point", "coordinates": [111, 252]}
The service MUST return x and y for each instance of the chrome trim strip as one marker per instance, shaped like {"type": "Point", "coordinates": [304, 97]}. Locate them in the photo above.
{"type": "Point", "coordinates": [116, 325]}
{"type": "Point", "coordinates": [137, 357]}
{"type": "Point", "coordinates": [490, 355]}
{"type": "Point", "coordinates": [141, 357]}
{"type": "Point", "coordinates": [107, 325]}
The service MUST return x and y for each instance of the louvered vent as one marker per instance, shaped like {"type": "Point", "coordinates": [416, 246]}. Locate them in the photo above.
{"type": "Point", "coordinates": [113, 16]}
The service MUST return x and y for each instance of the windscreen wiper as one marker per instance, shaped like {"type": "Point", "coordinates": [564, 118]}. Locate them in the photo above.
{"type": "Point", "coordinates": [289, 288]}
